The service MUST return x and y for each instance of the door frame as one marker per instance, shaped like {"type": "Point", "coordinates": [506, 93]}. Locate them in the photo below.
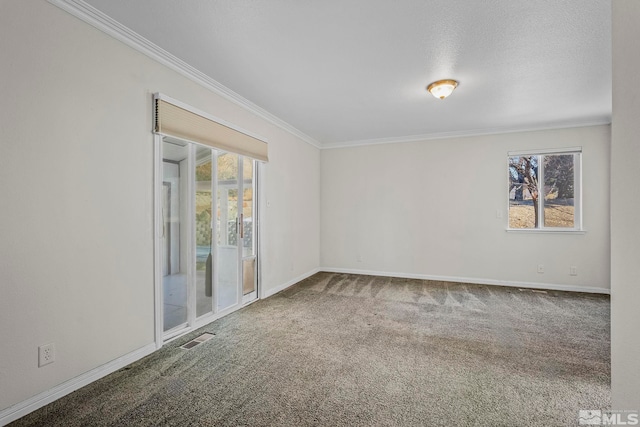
{"type": "Point", "coordinates": [193, 322]}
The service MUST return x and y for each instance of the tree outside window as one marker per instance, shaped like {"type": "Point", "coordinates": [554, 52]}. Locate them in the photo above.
{"type": "Point", "coordinates": [544, 191]}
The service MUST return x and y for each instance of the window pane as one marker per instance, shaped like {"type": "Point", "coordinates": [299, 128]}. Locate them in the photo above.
{"type": "Point", "coordinates": [204, 259]}
{"type": "Point", "coordinates": [559, 190]}
{"type": "Point", "coordinates": [174, 234]}
{"type": "Point", "coordinates": [523, 193]}
{"type": "Point", "coordinates": [227, 268]}
{"type": "Point", "coordinates": [247, 208]}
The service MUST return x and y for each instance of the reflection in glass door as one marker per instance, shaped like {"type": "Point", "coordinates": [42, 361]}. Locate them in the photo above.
{"type": "Point", "coordinates": [227, 227]}
{"type": "Point", "coordinates": [174, 236]}
{"type": "Point", "coordinates": [203, 218]}
{"type": "Point", "coordinates": [249, 291]}
{"type": "Point", "coordinates": [236, 245]}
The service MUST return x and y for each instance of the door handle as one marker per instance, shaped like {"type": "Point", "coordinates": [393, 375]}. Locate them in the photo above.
{"type": "Point", "coordinates": [242, 226]}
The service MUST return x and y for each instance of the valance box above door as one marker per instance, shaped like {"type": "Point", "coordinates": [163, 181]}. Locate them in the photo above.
{"type": "Point", "coordinates": [181, 122]}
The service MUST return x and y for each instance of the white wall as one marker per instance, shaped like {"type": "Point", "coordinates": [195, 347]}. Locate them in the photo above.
{"type": "Point", "coordinates": [290, 214]}
{"type": "Point", "coordinates": [76, 185]}
{"type": "Point", "coordinates": [76, 165]}
{"type": "Point", "coordinates": [430, 208]}
{"type": "Point", "coordinates": [625, 205]}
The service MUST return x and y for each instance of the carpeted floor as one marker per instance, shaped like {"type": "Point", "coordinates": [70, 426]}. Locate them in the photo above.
{"type": "Point", "coordinates": [347, 350]}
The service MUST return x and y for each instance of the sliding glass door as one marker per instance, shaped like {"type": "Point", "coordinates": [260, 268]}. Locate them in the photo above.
{"type": "Point", "coordinates": [227, 227]}
{"type": "Point", "coordinates": [175, 235]}
{"type": "Point", "coordinates": [236, 245]}
{"type": "Point", "coordinates": [203, 230]}
{"type": "Point", "coordinates": [207, 252]}
{"type": "Point", "coordinates": [249, 258]}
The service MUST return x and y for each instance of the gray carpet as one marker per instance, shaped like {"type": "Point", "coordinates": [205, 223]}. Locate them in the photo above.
{"type": "Point", "coordinates": [347, 350]}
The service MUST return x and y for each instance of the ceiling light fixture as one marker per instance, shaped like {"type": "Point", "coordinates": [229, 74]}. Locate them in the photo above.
{"type": "Point", "coordinates": [442, 88]}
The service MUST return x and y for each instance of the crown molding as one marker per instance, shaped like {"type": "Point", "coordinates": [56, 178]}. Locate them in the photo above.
{"type": "Point", "coordinates": [92, 16]}
{"type": "Point", "coordinates": [108, 25]}
{"type": "Point", "coordinates": [462, 134]}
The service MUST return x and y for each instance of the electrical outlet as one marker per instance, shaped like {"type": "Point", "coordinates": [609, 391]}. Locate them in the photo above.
{"type": "Point", "coordinates": [499, 213]}
{"type": "Point", "coordinates": [46, 354]}
{"type": "Point", "coordinates": [359, 258]}
{"type": "Point", "coordinates": [540, 269]}
{"type": "Point", "coordinates": [573, 270]}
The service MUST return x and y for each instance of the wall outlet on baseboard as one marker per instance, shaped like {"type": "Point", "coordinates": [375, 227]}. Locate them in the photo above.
{"type": "Point", "coordinates": [540, 269]}
{"type": "Point", "coordinates": [46, 354]}
{"type": "Point", "coordinates": [573, 270]}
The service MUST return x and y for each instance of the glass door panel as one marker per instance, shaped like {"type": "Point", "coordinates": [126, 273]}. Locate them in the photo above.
{"type": "Point", "coordinates": [174, 235]}
{"type": "Point", "coordinates": [247, 208]}
{"type": "Point", "coordinates": [203, 217]}
{"type": "Point", "coordinates": [248, 241]}
{"type": "Point", "coordinates": [227, 230]}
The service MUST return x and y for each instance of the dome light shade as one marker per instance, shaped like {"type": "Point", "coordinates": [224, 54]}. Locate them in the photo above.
{"type": "Point", "coordinates": [442, 88]}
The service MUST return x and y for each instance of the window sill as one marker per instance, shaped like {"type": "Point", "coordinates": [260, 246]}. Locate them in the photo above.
{"type": "Point", "coordinates": [544, 231]}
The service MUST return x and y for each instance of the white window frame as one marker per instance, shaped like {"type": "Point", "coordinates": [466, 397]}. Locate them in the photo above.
{"type": "Point", "coordinates": [577, 215]}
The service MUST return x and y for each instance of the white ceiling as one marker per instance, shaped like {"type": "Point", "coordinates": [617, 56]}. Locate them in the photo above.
{"type": "Point", "coordinates": [355, 71]}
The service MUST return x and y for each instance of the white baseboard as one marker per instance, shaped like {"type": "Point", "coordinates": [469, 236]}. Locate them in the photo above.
{"type": "Point", "coordinates": [509, 283]}
{"type": "Point", "coordinates": [267, 293]}
{"type": "Point", "coordinates": [21, 409]}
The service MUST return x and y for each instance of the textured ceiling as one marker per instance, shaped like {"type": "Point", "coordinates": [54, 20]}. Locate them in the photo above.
{"type": "Point", "coordinates": [356, 70]}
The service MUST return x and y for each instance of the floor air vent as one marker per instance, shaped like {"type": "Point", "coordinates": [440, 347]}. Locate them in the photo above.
{"type": "Point", "coordinates": [202, 338]}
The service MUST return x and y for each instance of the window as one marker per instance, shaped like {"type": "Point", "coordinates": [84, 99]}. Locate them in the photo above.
{"type": "Point", "coordinates": [544, 190]}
